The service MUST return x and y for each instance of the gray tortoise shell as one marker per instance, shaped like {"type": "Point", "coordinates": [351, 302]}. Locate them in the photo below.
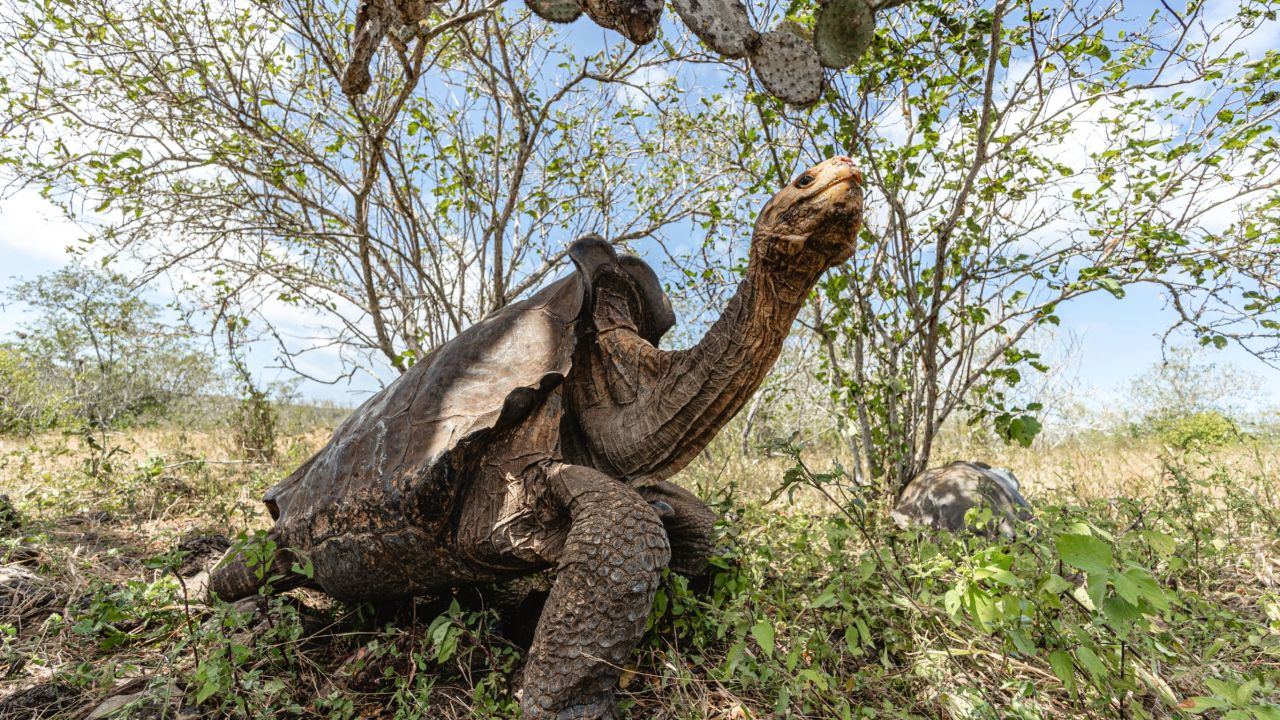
{"type": "Point", "coordinates": [392, 466]}
{"type": "Point", "coordinates": [940, 498]}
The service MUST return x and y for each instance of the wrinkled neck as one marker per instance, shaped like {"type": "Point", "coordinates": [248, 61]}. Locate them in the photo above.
{"type": "Point", "coordinates": [646, 413]}
{"type": "Point", "coordinates": [711, 381]}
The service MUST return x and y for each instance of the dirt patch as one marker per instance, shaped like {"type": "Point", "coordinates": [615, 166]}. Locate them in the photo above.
{"type": "Point", "coordinates": [39, 701]}
{"type": "Point", "coordinates": [199, 551]}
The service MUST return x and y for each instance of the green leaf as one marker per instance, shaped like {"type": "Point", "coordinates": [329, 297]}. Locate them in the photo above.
{"type": "Point", "coordinates": [1055, 585]}
{"type": "Point", "coordinates": [1163, 544]}
{"type": "Point", "coordinates": [1085, 552]}
{"type": "Point", "coordinates": [1091, 662]}
{"type": "Point", "coordinates": [1064, 668]}
{"type": "Point", "coordinates": [1111, 285]}
{"type": "Point", "coordinates": [1022, 429]}
{"type": "Point", "coordinates": [951, 601]}
{"type": "Point", "coordinates": [851, 640]}
{"type": "Point", "coordinates": [1022, 642]}
{"type": "Point", "coordinates": [763, 633]}
{"type": "Point", "coordinates": [1148, 588]}
{"type": "Point", "coordinates": [1097, 588]}
{"type": "Point", "coordinates": [825, 600]}
{"type": "Point", "coordinates": [1125, 588]}
{"type": "Point", "coordinates": [1199, 704]}
{"type": "Point", "coordinates": [814, 677]}
{"type": "Point", "coordinates": [1121, 614]}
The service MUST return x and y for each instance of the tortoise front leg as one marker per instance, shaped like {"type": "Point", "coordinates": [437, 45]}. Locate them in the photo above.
{"type": "Point", "coordinates": [608, 573]}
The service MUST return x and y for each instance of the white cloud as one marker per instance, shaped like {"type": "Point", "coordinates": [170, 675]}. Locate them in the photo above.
{"type": "Point", "coordinates": [642, 85]}
{"type": "Point", "coordinates": [34, 230]}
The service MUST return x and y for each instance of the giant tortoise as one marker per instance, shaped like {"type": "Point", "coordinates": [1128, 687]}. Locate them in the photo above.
{"type": "Point", "coordinates": [941, 498]}
{"type": "Point", "coordinates": [543, 437]}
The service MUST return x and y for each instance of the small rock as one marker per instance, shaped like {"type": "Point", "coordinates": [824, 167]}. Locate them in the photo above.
{"type": "Point", "coordinates": [112, 704]}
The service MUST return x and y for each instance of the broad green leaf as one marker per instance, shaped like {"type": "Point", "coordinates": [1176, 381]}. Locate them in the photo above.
{"type": "Point", "coordinates": [1091, 662]}
{"type": "Point", "coordinates": [814, 677]}
{"type": "Point", "coordinates": [1097, 588]}
{"type": "Point", "coordinates": [1121, 614]}
{"type": "Point", "coordinates": [763, 633]}
{"type": "Point", "coordinates": [825, 600]}
{"type": "Point", "coordinates": [1199, 704]}
{"type": "Point", "coordinates": [1163, 544]}
{"type": "Point", "coordinates": [1022, 642]}
{"type": "Point", "coordinates": [1085, 552]}
{"type": "Point", "coordinates": [951, 601]}
{"type": "Point", "coordinates": [1125, 588]}
{"type": "Point", "coordinates": [1055, 585]}
{"type": "Point", "coordinates": [1147, 588]}
{"type": "Point", "coordinates": [1064, 667]}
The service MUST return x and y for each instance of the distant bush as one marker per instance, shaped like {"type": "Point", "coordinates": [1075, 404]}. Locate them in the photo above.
{"type": "Point", "coordinates": [1191, 403]}
{"type": "Point", "coordinates": [94, 354]}
{"type": "Point", "coordinates": [255, 425]}
{"type": "Point", "coordinates": [1199, 430]}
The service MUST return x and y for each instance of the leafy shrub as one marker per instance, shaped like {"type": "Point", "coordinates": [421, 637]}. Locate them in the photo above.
{"type": "Point", "coordinates": [1088, 613]}
{"type": "Point", "coordinates": [95, 354]}
{"type": "Point", "coordinates": [254, 425]}
{"type": "Point", "coordinates": [1200, 430]}
{"type": "Point", "coordinates": [30, 400]}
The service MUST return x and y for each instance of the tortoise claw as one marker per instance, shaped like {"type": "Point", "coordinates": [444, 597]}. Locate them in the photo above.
{"type": "Point", "coordinates": [663, 508]}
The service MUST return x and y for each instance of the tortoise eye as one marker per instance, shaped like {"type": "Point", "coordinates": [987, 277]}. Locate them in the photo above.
{"type": "Point", "coordinates": [805, 181]}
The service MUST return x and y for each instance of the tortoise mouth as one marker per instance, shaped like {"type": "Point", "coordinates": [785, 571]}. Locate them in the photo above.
{"type": "Point", "coordinates": [853, 180]}
{"type": "Point", "coordinates": [845, 199]}
{"type": "Point", "coordinates": [834, 184]}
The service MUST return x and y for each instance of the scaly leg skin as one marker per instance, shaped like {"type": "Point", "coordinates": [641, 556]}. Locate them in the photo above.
{"type": "Point", "coordinates": [688, 524]}
{"type": "Point", "coordinates": [233, 579]}
{"type": "Point", "coordinates": [613, 556]}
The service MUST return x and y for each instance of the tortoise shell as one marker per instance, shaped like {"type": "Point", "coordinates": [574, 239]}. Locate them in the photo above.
{"type": "Point", "coordinates": [392, 476]}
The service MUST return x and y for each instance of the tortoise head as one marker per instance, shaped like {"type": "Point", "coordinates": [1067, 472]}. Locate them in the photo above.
{"type": "Point", "coordinates": [817, 215]}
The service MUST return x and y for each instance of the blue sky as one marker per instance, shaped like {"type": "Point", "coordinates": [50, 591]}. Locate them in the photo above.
{"type": "Point", "coordinates": [1118, 339]}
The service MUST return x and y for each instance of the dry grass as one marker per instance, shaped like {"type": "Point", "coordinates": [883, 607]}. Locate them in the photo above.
{"type": "Point", "coordinates": [96, 519]}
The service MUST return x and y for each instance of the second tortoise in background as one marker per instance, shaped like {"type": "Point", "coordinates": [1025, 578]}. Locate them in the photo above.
{"type": "Point", "coordinates": [941, 497]}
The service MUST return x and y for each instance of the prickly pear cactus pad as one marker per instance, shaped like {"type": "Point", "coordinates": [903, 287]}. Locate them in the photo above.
{"type": "Point", "coordinates": [844, 31]}
{"type": "Point", "coordinates": [637, 20]}
{"type": "Point", "coordinates": [788, 67]}
{"type": "Point", "coordinates": [560, 11]}
{"type": "Point", "coordinates": [721, 24]}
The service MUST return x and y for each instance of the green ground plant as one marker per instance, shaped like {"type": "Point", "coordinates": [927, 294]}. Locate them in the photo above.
{"type": "Point", "coordinates": [1159, 603]}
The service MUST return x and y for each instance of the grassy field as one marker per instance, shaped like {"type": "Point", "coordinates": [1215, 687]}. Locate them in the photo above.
{"type": "Point", "coordinates": [1147, 588]}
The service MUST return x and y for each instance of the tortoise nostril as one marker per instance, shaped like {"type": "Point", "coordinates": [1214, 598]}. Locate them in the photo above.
{"type": "Point", "coordinates": [857, 176]}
